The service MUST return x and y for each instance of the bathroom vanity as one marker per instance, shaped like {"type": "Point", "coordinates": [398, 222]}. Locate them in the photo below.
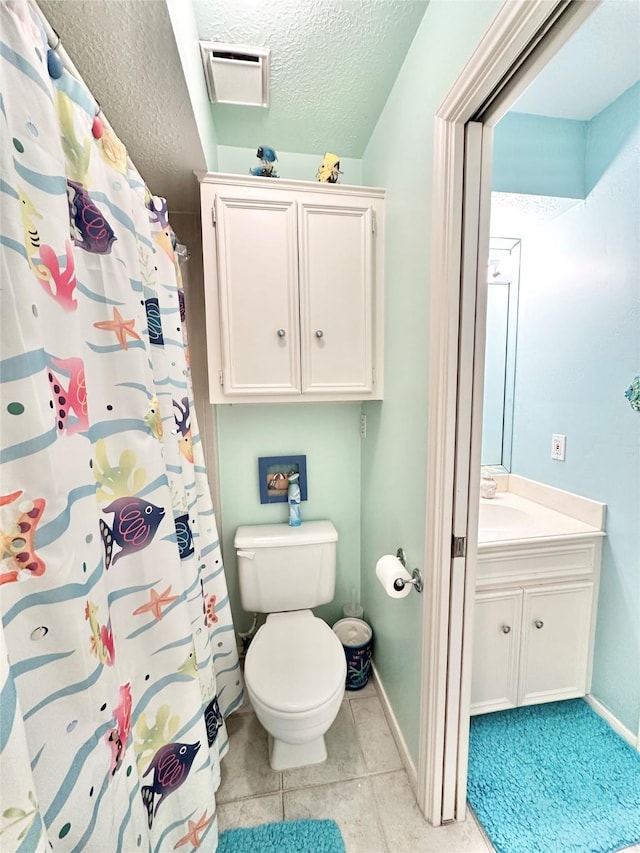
{"type": "Point", "coordinates": [538, 568]}
{"type": "Point", "coordinates": [293, 289]}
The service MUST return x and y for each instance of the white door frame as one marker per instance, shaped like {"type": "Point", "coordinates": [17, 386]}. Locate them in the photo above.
{"type": "Point", "coordinates": [524, 35]}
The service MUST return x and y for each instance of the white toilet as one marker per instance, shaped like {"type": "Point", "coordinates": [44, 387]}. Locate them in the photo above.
{"type": "Point", "coordinates": [295, 669]}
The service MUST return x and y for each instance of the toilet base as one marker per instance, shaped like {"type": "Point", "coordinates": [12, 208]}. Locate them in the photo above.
{"type": "Point", "coordinates": [285, 756]}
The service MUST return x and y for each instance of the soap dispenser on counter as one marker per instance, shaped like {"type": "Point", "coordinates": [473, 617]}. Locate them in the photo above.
{"type": "Point", "coordinates": [488, 485]}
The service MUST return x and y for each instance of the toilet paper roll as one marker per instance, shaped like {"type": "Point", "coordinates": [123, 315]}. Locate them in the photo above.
{"type": "Point", "coordinates": [388, 569]}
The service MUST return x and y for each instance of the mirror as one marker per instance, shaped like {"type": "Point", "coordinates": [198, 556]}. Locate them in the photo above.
{"type": "Point", "coordinates": [500, 352]}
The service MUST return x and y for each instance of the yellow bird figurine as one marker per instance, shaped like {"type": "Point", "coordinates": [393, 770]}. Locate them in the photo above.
{"type": "Point", "coordinates": [329, 169]}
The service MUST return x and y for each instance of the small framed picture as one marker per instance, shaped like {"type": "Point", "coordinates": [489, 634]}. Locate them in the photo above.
{"type": "Point", "coordinates": [273, 475]}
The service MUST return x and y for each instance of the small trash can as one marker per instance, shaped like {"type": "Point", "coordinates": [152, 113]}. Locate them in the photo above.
{"type": "Point", "coordinates": [356, 637]}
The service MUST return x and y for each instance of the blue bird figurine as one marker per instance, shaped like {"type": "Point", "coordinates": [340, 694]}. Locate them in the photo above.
{"type": "Point", "coordinates": [266, 169]}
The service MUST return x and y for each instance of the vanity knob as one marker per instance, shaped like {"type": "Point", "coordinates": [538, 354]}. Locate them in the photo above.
{"type": "Point", "coordinates": [506, 629]}
{"type": "Point", "coordinates": [539, 623]}
{"type": "Point", "coordinates": [319, 333]}
{"type": "Point", "coordinates": [281, 333]}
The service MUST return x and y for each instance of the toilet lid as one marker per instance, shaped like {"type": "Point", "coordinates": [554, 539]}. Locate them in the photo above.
{"type": "Point", "coordinates": [299, 643]}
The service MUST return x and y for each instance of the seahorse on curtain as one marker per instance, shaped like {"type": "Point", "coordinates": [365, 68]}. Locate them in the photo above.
{"type": "Point", "coordinates": [117, 737]}
{"type": "Point", "coordinates": [183, 422]}
{"type": "Point", "coordinates": [102, 645]}
{"type": "Point", "coordinates": [43, 260]}
{"type": "Point", "coordinates": [165, 239]}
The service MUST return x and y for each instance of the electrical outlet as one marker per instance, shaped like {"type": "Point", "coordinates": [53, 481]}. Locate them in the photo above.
{"type": "Point", "coordinates": [363, 426]}
{"type": "Point", "coordinates": [558, 445]}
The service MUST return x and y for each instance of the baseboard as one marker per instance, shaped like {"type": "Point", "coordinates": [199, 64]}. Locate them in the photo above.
{"type": "Point", "coordinates": [409, 766]}
{"type": "Point", "coordinates": [614, 722]}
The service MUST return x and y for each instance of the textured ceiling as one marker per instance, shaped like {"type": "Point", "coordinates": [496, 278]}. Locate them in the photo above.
{"type": "Point", "coordinates": [333, 64]}
{"type": "Point", "coordinates": [515, 215]}
{"type": "Point", "coordinates": [598, 63]}
{"type": "Point", "coordinates": [127, 55]}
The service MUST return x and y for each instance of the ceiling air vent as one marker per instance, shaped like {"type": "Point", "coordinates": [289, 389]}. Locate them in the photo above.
{"type": "Point", "coordinates": [236, 74]}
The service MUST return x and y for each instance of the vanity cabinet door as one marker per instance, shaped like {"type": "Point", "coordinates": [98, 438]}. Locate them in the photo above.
{"type": "Point", "coordinates": [496, 646]}
{"type": "Point", "coordinates": [556, 624]}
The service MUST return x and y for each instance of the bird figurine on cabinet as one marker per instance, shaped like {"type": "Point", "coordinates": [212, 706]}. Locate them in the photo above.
{"type": "Point", "coordinates": [329, 169]}
{"type": "Point", "coordinates": [267, 168]}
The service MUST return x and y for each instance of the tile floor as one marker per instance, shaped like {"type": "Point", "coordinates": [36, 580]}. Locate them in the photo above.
{"type": "Point", "coordinates": [362, 786]}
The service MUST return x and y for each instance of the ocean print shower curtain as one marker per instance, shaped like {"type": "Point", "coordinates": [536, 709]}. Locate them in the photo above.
{"type": "Point", "coordinates": [118, 661]}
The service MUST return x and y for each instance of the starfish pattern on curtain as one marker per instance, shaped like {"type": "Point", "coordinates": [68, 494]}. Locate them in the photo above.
{"type": "Point", "coordinates": [119, 661]}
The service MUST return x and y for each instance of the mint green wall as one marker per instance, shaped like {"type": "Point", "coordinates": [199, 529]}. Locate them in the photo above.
{"type": "Point", "coordinates": [329, 435]}
{"type": "Point", "coordinates": [185, 32]}
{"type": "Point", "coordinates": [394, 468]}
{"type": "Point", "coordinates": [291, 165]}
{"type": "Point", "coordinates": [537, 155]}
{"type": "Point", "coordinates": [608, 133]}
{"type": "Point", "coordinates": [578, 350]}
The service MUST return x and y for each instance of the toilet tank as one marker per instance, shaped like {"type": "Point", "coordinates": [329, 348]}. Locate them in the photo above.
{"type": "Point", "coordinates": [286, 568]}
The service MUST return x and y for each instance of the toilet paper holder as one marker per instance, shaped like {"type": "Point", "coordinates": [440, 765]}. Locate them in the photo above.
{"type": "Point", "coordinates": [416, 575]}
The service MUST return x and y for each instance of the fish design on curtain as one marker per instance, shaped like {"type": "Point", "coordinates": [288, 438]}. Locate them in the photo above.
{"type": "Point", "coordinates": [118, 661]}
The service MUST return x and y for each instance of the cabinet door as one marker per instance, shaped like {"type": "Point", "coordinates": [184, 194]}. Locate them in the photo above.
{"type": "Point", "coordinates": [496, 637]}
{"type": "Point", "coordinates": [259, 314]}
{"type": "Point", "coordinates": [336, 296]}
{"type": "Point", "coordinates": [556, 623]}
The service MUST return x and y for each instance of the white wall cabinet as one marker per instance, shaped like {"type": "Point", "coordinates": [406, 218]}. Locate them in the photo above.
{"type": "Point", "coordinates": [533, 641]}
{"type": "Point", "coordinates": [293, 289]}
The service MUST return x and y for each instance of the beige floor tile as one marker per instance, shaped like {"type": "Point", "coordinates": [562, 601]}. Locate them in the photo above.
{"type": "Point", "coordinates": [344, 757]}
{"type": "Point", "coordinates": [351, 804]}
{"type": "Point", "coordinates": [251, 812]}
{"type": "Point", "coordinates": [368, 690]}
{"type": "Point", "coordinates": [245, 770]}
{"type": "Point", "coordinates": [377, 743]}
{"type": "Point", "coordinates": [406, 830]}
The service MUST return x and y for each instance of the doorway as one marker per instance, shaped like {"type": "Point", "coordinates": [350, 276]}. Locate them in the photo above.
{"type": "Point", "coordinates": [459, 305]}
{"type": "Point", "coordinates": [577, 340]}
{"type": "Point", "coordinates": [520, 42]}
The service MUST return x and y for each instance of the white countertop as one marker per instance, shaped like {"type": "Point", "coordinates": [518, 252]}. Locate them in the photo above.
{"type": "Point", "coordinates": [530, 510]}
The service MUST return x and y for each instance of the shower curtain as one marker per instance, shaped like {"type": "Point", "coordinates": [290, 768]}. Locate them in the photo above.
{"type": "Point", "coordinates": [118, 659]}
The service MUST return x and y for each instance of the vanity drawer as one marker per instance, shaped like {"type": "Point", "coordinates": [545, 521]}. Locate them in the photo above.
{"type": "Point", "coordinates": [522, 562]}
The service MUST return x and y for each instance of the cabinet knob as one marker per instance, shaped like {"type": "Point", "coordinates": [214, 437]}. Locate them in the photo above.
{"type": "Point", "coordinates": [506, 629]}
{"type": "Point", "coordinates": [281, 333]}
{"type": "Point", "coordinates": [319, 333]}
{"type": "Point", "coordinates": [539, 623]}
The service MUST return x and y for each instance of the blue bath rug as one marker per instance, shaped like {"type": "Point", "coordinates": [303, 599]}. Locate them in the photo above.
{"type": "Point", "coordinates": [289, 836]}
{"type": "Point", "coordinates": [553, 778]}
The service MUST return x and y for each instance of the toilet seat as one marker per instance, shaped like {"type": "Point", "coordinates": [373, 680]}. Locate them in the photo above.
{"type": "Point", "coordinates": [297, 643]}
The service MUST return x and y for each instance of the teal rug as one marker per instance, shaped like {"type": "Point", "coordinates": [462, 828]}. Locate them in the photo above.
{"type": "Point", "coordinates": [289, 836]}
{"type": "Point", "coordinates": [553, 778]}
